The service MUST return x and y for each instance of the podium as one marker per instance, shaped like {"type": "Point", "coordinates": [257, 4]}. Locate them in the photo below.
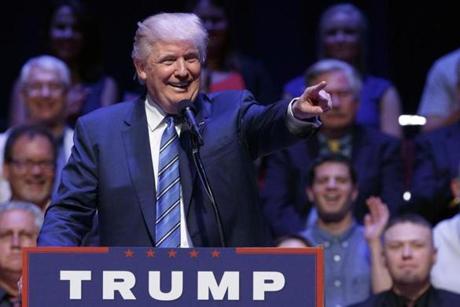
{"type": "Point", "coordinates": [143, 276]}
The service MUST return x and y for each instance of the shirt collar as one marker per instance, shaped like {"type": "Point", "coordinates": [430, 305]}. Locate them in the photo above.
{"type": "Point", "coordinates": [326, 236]}
{"type": "Point", "coordinates": [155, 115]}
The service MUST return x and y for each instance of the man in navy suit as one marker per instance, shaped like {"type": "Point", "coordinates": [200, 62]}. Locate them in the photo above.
{"type": "Point", "coordinates": [114, 163]}
{"type": "Point", "coordinates": [374, 155]}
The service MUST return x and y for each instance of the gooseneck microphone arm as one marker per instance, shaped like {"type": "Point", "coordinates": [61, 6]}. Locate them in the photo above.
{"type": "Point", "coordinates": [197, 142]}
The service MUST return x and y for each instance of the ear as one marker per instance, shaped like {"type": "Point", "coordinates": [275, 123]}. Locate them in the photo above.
{"type": "Point", "coordinates": [141, 69]}
{"type": "Point", "coordinates": [455, 187]}
{"type": "Point", "coordinates": [6, 171]}
{"type": "Point", "coordinates": [354, 193]}
{"type": "Point", "coordinates": [309, 193]}
{"type": "Point", "coordinates": [434, 256]}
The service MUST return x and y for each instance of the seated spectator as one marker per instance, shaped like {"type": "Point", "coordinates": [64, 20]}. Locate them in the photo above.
{"type": "Point", "coordinates": [374, 155]}
{"type": "Point", "coordinates": [409, 255]}
{"type": "Point", "coordinates": [20, 223]}
{"type": "Point", "coordinates": [225, 68]}
{"type": "Point", "coordinates": [332, 187]}
{"type": "Point", "coordinates": [446, 271]}
{"type": "Point", "coordinates": [342, 35]}
{"type": "Point", "coordinates": [437, 158]}
{"type": "Point", "coordinates": [44, 84]}
{"type": "Point", "coordinates": [71, 35]}
{"type": "Point", "coordinates": [29, 164]}
{"type": "Point", "coordinates": [440, 102]}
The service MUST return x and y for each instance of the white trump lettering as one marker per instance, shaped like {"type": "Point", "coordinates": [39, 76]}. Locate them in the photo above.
{"type": "Point", "coordinates": [207, 287]}
{"type": "Point", "coordinates": [121, 281]}
{"type": "Point", "coordinates": [266, 281]}
{"type": "Point", "coordinates": [75, 279]}
{"type": "Point", "coordinates": [176, 286]}
{"type": "Point", "coordinates": [230, 283]}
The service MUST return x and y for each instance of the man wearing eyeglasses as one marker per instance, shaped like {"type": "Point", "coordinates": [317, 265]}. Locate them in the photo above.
{"type": "Point", "coordinates": [29, 164]}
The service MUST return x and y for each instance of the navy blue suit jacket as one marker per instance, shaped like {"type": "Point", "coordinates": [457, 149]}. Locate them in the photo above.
{"type": "Point", "coordinates": [110, 170]}
{"type": "Point", "coordinates": [437, 161]}
{"type": "Point", "coordinates": [375, 158]}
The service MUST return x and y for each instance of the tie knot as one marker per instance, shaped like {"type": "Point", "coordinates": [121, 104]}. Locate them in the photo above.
{"type": "Point", "coordinates": [170, 120]}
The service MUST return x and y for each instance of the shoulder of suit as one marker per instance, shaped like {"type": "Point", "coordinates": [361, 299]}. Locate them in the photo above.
{"type": "Point", "coordinates": [113, 111]}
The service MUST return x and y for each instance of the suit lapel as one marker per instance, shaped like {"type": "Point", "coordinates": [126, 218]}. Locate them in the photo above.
{"type": "Point", "coordinates": [138, 156]}
{"type": "Point", "coordinates": [187, 167]}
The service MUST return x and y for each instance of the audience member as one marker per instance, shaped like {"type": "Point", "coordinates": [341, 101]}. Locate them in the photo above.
{"type": "Point", "coordinates": [72, 36]}
{"type": "Point", "coordinates": [20, 223]}
{"type": "Point", "coordinates": [342, 34]}
{"type": "Point", "coordinates": [374, 155]}
{"type": "Point", "coordinates": [437, 158]}
{"type": "Point", "coordinates": [29, 164]}
{"type": "Point", "coordinates": [332, 187]}
{"type": "Point", "coordinates": [446, 271]}
{"type": "Point", "coordinates": [226, 68]}
{"type": "Point", "coordinates": [44, 83]}
{"type": "Point", "coordinates": [440, 102]}
{"type": "Point", "coordinates": [409, 255]}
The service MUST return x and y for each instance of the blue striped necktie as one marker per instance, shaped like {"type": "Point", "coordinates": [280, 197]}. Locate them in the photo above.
{"type": "Point", "coordinates": [167, 224]}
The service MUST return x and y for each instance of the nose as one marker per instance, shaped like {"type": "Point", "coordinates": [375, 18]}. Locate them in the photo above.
{"type": "Point", "coordinates": [406, 252]}
{"type": "Point", "coordinates": [331, 183]}
{"type": "Point", "coordinates": [335, 101]}
{"type": "Point", "coordinates": [181, 69]}
{"type": "Point", "coordinates": [45, 91]}
{"type": "Point", "coordinates": [15, 241]}
{"type": "Point", "coordinates": [36, 169]}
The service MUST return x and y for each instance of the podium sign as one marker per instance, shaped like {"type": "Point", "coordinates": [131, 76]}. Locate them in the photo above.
{"type": "Point", "coordinates": [134, 276]}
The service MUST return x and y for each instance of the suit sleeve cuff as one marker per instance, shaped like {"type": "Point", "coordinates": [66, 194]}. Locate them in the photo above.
{"type": "Point", "coordinates": [295, 124]}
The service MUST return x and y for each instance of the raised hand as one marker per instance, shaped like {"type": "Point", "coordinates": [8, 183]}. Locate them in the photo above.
{"type": "Point", "coordinates": [377, 218]}
{"type": "Point", "coordinates": [313, 102]}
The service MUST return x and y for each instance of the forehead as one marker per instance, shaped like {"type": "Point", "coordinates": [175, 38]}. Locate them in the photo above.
{"type": "Point", "coordinates": [16, 219]}
{"type": "Point", "coordinates": [340, 19]}
{"type": "Point", "coordinates": [64, 14]}
{"type": "Point", "coordinates": [178, 47]}
{"type": "Point", "coordinates": [27, 146]}
{"type": "Point", "coordinates": [334, 79]}
{"type": "Point", "coordinates": [41, 74]}
{"type": "Point", "coordinates": [406, 232]}
{"type": "Point", "coordinates": [332, 169]}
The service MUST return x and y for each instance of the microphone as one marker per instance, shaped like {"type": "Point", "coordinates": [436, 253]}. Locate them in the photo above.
{"type": "Point", "coordinates": [188, 111]}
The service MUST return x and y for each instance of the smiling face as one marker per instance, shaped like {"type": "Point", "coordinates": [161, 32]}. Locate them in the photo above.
{"type": "Point", "coordinates": [332, 191]}
{"type": "Point", "coordinates": [44, 95]}
{"type": "Point", "coordinates": [31, 173]}
{"type": "Point", "coordinates": [409, 253]}
{"type": "Point", "coordinates": [171, 73]}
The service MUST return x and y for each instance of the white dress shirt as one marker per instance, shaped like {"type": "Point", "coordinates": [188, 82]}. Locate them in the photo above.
{"type": "Point", "coordinates": [156, 126]}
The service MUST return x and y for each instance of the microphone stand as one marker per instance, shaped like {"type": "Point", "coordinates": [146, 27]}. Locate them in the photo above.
{"type": "Point", "coordinates": [197, 142]}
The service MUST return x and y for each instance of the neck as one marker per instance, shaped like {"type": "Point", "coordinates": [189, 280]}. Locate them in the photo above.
{"type": "Point", "coordinates": [9, 282]}
{"type": "Point", "coordinates": [336, 228]}
{"type": "Point", "coordinates": [335, 133]}
{"type": "Point", "coordinates": [57, 129]}
{"type": "Point", "coordinates": [411, 291]}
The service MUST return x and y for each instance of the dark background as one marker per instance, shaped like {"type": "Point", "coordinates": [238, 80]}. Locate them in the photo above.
{"type": "Point", "coordinates": [405, 37]}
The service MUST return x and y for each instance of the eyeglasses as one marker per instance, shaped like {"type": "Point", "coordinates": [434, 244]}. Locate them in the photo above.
{"type": "Point", "coordinates": [342, 94]}
{"type": "Point", "coordinates": [37, 88]}
{"type": "Point", "coordinates": [27, 165]}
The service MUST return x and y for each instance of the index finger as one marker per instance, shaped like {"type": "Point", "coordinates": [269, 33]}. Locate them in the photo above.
{"type": "Point", "coordinates": [315, 89]}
